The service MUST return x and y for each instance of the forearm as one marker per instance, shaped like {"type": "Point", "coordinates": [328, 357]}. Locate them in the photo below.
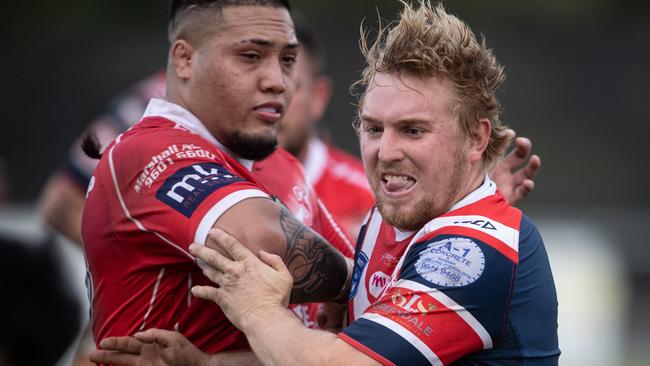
{"type": "Point", "coordinates": [278, 338]}
{"type": "Point", "coordinates": [246, 358]}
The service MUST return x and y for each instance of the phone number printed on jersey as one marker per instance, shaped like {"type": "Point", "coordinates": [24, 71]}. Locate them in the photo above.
{"type": "Point", "coordinates": [451, 262]}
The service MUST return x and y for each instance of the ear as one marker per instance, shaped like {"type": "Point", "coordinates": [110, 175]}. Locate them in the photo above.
{"type": "Point", "coordinates": [181, 54]}
{"type": "Point", "coordinates": [322, 94]}
{"type": "Point", "coordinates": [479, 139]}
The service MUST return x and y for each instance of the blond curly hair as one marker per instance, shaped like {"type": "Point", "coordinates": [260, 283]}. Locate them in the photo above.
{"type": "Point", "coordinates": [429, 42]}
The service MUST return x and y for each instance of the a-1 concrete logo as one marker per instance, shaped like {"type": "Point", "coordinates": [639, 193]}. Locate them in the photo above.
{"type": "Point", "coordinates": [377, 283]}
{"type": "Point", "coordinates": [451, 262]}
{"type": "Point", "coordinates": [189, 186]}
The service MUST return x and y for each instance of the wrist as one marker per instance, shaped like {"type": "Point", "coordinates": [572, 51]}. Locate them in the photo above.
{"type": "Point", "coordinates": [263, 317]}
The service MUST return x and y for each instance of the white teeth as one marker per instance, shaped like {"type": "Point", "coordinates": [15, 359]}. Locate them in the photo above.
{"type": "Point", "coordinates": [392, 177]}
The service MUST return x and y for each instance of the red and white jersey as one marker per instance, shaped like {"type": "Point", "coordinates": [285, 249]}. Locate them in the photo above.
{"type": "Point", "coordinates": [444, 293]}
{"type": "Point", "coordinates": [159, 187]}
{"type": "Point", "coordinates": [340, 182]}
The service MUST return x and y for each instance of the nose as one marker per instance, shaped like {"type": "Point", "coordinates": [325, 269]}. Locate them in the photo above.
{"type": "Point", "coordinates": [390, 147]}
{"type": "Point", "coordinates": [273, 78]}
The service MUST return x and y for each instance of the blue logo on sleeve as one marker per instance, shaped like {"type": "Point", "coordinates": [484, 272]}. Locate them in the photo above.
{"type": "Point", "coordinates": [359, 265]}
{"type": "Point", "coordinates": [188, 187]}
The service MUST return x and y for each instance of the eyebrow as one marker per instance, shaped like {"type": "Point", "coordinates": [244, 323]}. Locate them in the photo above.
{"type": "Point", "coordinates": [267, 43]}
{"type": "Point", "coordinates": [402, 122]}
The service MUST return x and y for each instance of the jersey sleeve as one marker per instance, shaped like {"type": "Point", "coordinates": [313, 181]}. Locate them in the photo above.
{"type": "Point", "coordinates": [449, 300]}
{"type": "Point", "coordinates": [179, 188]}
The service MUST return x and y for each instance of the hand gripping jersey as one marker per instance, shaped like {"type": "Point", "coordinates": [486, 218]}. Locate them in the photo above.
{"type": "Point", "coordinates": [472, 287]}
{"type": "Point", "coordinates": [340, 182]}
{"type": "Point", "coordinates": [159, 187]}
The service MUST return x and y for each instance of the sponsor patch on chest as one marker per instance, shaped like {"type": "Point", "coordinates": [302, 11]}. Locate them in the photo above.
{"type": "Point", "coordinates": [451, 262]}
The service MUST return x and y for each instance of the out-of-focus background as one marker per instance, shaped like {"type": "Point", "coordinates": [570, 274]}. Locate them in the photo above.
{"type": "Point", "coordinates": [578, 86]}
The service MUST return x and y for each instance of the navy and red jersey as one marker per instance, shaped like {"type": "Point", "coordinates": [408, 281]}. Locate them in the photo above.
{"type": "Point", "coordinates": [472, 287]}
{"type": "Point", "coordinates": [159, 187]}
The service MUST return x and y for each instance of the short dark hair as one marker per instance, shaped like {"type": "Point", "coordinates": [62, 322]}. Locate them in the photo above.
{"type": "Point", "coordinates": [179, 8]}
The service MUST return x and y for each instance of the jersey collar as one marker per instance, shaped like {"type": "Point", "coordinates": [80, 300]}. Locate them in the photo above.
{"type": "Point", "coordinates": [183, 117]}
{"type": "Point", "coordinates": [488, 188]}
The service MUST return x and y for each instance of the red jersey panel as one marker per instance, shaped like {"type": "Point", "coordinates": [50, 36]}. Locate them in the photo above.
{"type": "Point", "coordinates": [341, 183]}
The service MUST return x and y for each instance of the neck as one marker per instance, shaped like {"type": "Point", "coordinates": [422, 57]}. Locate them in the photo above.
{"type": "Point", "coordinates": [476, 177]}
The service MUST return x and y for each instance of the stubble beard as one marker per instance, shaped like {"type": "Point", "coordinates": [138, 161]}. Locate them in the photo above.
{"type": "Point", "coordinates": [425, 209]}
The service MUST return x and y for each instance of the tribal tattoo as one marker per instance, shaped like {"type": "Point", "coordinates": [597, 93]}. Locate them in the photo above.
{"type": "Point", "coordinates": [319, 271]}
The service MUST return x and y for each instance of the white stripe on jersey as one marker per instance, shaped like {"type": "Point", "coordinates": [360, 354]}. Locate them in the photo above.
{"type": "Point", "coordinates": [406, 335]}
{"type": "Point", "coordinates": [478, 328]}
{"type": "Point", "coordinates": [153, 297]}
{"type": "Point", "coordinates": [360, 301]}
{"type": "Point", "coordinates": [495, 229]}
{"type": "Point", "coordinates": [220, 207]}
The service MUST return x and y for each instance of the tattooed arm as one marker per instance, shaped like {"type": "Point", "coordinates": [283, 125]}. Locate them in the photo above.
{"type": "Point", "coordinates": [320, 273]}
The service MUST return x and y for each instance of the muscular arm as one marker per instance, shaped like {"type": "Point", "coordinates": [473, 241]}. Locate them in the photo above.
{"type": "Point", "coordinates": [319, 271]}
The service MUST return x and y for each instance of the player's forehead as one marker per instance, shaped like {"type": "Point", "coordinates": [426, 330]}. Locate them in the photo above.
{"type": "Point", "coordinates": [265, 25]}
{"type": "Point", "coordinates": [399, 97]}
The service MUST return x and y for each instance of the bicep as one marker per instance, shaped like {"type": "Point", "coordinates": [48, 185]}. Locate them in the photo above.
{"type": "Point", "coordinates": [255, 222]}
{"type": "Point", "coordinates": [319, 271]}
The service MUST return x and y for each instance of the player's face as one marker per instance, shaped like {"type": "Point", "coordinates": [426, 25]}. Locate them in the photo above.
{"type": "Point", "coordinates": [243, 78]}
{"type": "Point", "coordinates": [414, 153]}
{"type": "Point", "coordinates": [303, 112]}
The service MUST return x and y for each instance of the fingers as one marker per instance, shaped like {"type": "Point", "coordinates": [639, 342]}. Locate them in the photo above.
{"type": "Point", "coordinates": [519, 154]}
{"type": "Point", "coordinates": [531, 169]}
{"type": "Point", "coordinates": [122, 344]}
{"type": "Point", "coordinates": [206, 293]}
{"type": "Point", "coordinates": [232, 246]}
{"type": "Point", "coordinates": [162, 337]}
{"type": "Point", "coordinates": [212, 258]}
{"type": "Point", "coordinates": [113, 358]}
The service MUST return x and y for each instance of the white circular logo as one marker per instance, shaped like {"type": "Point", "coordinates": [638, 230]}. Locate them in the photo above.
{"type": "Point", "coordinates": [451, 262]}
